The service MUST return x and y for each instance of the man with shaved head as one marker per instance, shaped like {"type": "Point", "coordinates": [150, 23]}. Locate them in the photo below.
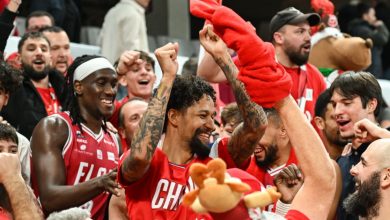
{"type": "Point", "coordinates": [372, 176]}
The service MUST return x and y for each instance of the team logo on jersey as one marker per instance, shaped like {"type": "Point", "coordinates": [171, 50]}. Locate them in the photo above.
{"type": "Point", "coordinates": [83, 147]}
{"type": "Point", "coordinates": [79, 134]}
{"type": "Point", "coordinates": [111, 156]}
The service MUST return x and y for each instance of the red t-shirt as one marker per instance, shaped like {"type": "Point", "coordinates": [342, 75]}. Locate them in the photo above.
{"type": "Point", "coordinates": [50, 100]}
{"type": "Point", "coordinates": [308, 84]}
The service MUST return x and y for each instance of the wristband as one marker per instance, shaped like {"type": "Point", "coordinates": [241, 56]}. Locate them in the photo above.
{"type": "Point", "coordinates": [282, 208]}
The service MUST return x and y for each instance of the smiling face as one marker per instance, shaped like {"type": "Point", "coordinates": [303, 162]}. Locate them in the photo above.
{"type": "Point", "coordinates": [59, 50]}
{"type": "Point", "coordinates": [348, 111]}
{"type": "Point", "coordinates": [139, 80]}
{"type": "Point", "coordinates": [371, 178]}
{"type": "Point", "coordinates": [331, 128]}
{"type": "Point", "coordinates": [196, 123]}
{"type": "Point", "coordinates": [295, 42]}
{"type": "Point", "coordinates": [97, 93]}
{"type": "Point", "coordinates": [266, 151]}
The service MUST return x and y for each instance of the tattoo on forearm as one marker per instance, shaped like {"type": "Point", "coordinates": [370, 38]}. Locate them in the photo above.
{"type": "Point", "coordinates": [145, 140]}
{"type": "Point", "coordinates": [245, 137]}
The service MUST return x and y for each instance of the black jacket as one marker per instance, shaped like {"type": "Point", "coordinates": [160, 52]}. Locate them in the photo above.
{"type": "Point", "coordinates": [6, 25]}
{"type": "Point", "coordinates": [25, 107]}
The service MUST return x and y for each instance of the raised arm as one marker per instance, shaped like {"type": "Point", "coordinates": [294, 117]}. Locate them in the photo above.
{"type": "Point", "coordinates": [6, 21]}
{"type": "Point", "coordinates": [246, 136]}
{"type": "Point", "coordinates": [22, 200]}
{"type": "Point", "coordinates": [145, 140]}
{"type": "Point", "coordinates": [320, 181]}
{"type": "Point", "coordinates": [47, 143]}
{"type": "Point", "coordinates": [209, 70]}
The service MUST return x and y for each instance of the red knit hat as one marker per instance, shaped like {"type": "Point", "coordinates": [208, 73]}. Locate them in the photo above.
{"type": "Point", "coordinates": [265, 80]}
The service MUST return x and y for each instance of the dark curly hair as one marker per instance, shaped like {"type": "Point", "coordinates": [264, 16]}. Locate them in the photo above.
{"type": "Point", "coordinates": [10, 78]}
{"type": "Point", "coordinates": [72, 104]}
{"type": "Point", "coordinates": [187, 90]}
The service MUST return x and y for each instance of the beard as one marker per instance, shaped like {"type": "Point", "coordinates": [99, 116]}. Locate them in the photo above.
{"type": "Point", "coordinates": [366, 200]}
{"type": "Point", "coordinates": [198, 147]}
{"type": "Point", "coordinates": [33, 74]}
{"type": "Point", "coordinates": [336, 139]}
{"type": "Point", "coordinates": [270, 156]}
{"type": "Point", "coordinates": [295, 55]}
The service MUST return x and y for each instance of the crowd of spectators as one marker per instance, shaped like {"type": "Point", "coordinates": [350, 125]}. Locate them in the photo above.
{"type": "Point", "coordinates": [98, 137]}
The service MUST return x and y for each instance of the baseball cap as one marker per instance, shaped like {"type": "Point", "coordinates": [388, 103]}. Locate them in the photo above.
{"type": "Point", "coordinates": [292, 16]}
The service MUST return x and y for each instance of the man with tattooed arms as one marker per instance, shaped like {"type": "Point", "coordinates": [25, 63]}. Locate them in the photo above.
{"type": "Point", "coordinates": [183, 107]}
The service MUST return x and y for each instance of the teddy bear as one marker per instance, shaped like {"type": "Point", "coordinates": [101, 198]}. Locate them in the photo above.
{"type": "Point", "coordinates": [222, 195]}
{"type": "Point", "coordinates": [333, 52]}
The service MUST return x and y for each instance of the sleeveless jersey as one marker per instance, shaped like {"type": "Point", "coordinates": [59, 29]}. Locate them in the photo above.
{"type": "Point", "coordinates": [86, 156]}
{"type": "Point", "coordinates": [266, 175]}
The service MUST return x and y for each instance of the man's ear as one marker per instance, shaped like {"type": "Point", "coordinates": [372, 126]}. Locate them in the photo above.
{"type": "Point", "coordinates": [173, 117]}
{"type": "Point", "coordinates": [320, 123]}
{"type": "Point", "coordinates": [18, 58]}
{"type": "Point", "coordinates": [372, 105]}
{"type": "Point", "coordinates": [78, 88]}
{"type": "Point", "coordinates": [385, 178]}
{"type": "Point", "coordinates": [6, 98]}
{"type": "Point", "coordinates": [121, 132]}
{"type": "Point", "coordinates": [283, 131]}
{"type": "Point", "coordinates": [278, 37]}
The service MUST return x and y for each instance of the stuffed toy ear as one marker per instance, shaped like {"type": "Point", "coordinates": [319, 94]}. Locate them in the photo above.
{"type": "Point", "coordinates": [217, 169]}
{"type": "Point", "coordinates": [198, 173]}
{"type": "Point", "coordinates": [190, 197]}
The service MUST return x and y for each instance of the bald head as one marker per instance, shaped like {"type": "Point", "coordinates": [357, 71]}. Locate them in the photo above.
{"type": "Point", "coordinates": [380, 149]}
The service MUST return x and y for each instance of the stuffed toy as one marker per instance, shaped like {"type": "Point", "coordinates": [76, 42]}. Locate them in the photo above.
{"type": "Point", "coordinates": [223, 196]}
{"type": "Point", "coordinates": [333, 52]}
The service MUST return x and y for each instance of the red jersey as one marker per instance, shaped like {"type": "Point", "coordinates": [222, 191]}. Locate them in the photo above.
{"type": "Point", "coordinates": [308, 84]}
{"type": "Point", "coordinates": [266, 175]}
{"type": "Point", "coordinates": [50, 100]}
{"type": "Point", "coordinates": [157, 195]}
{"type": "Point", "coordinates": [295, 215]}
{"type": "Point", "coordinates": [86, 156]}
{"type": "Point", "coordinates": [220, 150]}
